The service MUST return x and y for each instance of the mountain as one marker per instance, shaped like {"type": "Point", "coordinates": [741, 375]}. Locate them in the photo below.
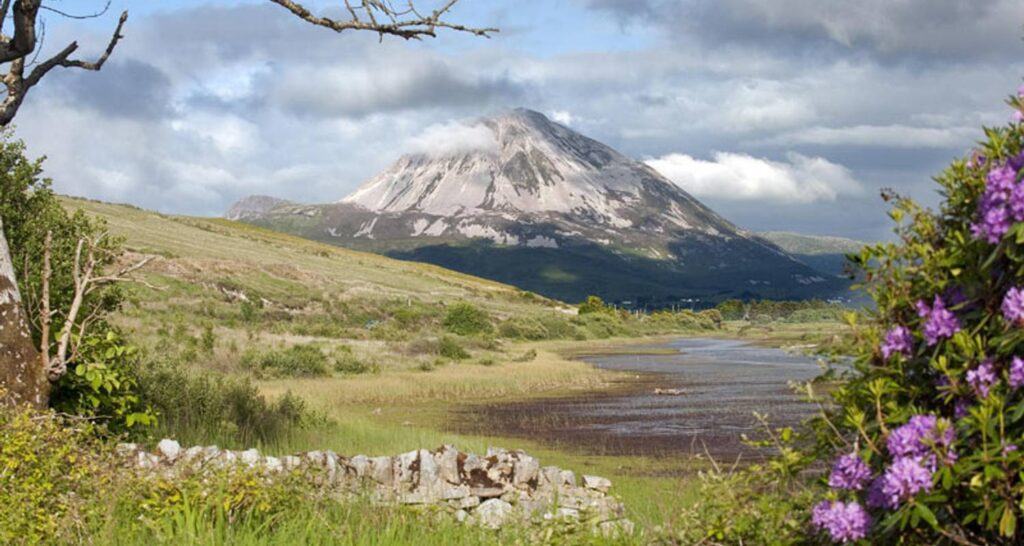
{"type": "Point", "coordinates": [533, 203]}
{"type": "Point", "coordinates": [824, 253]}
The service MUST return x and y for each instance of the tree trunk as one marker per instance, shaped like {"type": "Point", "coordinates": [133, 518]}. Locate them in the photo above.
{"type": "Point", "coordinates": [22, 377]}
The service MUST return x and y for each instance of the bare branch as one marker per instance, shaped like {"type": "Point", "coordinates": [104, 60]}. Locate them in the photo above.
{"type": "Point", "coordinates": [380, 17]}
{"type": "Point", "coordinates": [15, 50]}
{"type": "Point", "coordinates": [100, 13]}
{"type": "Point", "coordinates": [84, 274]}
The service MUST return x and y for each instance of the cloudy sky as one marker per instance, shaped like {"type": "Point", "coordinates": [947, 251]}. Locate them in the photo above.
{"type": "Point", "coordinates": [780, 114]}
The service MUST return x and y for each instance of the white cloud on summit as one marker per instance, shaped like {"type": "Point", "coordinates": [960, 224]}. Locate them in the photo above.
{"type": "Point", "coordinates": [453, 137]}
{"type": "Point", "coordinates": [732, 176]}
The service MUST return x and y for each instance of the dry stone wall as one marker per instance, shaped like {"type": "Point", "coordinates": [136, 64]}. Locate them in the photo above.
{"type": "Point", "coordinates": [492, 490]}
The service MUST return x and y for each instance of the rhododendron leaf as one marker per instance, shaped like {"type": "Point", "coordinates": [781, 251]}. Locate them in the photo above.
{"type": "Point", "coordinates": [926, 514]}
{"type": "Point", "coordinates": [1008, 523]}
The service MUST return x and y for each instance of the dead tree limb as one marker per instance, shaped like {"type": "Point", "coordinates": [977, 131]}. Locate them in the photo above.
{"type": "Point", "coordinates": [382, 17]}
{"type": "Point", "coordinates": [16, 48]}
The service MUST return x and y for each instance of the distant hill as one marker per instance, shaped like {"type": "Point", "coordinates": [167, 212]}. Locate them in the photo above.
{"type": "Point", "coordinates": [822, 252]}
{"type": "Point", "coordinates": [533, 203]}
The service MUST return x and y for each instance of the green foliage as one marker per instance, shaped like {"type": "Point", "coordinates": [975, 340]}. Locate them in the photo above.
{"type": "Point", "coordinates": [30, 210]}
{"type": "Point", "coordinates": [347, 363]}
{"type": "Point", "coordinates": [305, 360]}
{"type": "Point", "coordinates": [450, 348]}
{"type": "Point", "coordinates": [199, 407]}
{"type": "Point", "coordinates": [527, 328]}
{"type": "Point", "coordinates": [978, 495]}
{"type": "Point", "coordinates": [785, 310]}
{"type": "Point", "coordinates": [52, 474]}
{"type": "Point", "coordinates": [103, 382]}
{"type": "Point", "coordinates": [466, 319]}
{"type": "Point", "coordinates": [593, 304]}
{"type": "Point", "coordinates": [743, 507]}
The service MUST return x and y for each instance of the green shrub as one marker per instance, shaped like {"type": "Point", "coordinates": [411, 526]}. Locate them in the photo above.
{"type": "Point", "coordinates": [465, 319]}
{"type": "Point", "coordinates": [450, 348]}
{"type": "Point", "coordinates": [528, 356]}
{"type": "Point", "coordinates": [197, 407]}
{"type": "Point", "coordinates": [347, 363]}
{"type": "Point", "coordinates": [594, 304]}
{"type": "Point", "coordinates": [932, 413]}
{"type": "Point", "coordinates": [305, 360]}
{"type": "Point", "coordinates": [53, 473]}
{"type": "Point", "coordinates": [528, 328]}
{"type": "Point", "coordinates": [103, 383]}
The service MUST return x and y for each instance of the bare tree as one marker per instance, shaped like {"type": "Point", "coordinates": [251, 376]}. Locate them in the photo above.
{"type": "Point", "coordinates": [383, 17]}
{"type": "Point", "coordinates": [87, 278]}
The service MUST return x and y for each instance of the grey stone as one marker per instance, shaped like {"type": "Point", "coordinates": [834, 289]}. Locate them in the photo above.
{"type": "Point", "coordinates": [461, 516]}
{"type": "Point", "coordinates": [169, 449]}
{"type": "Point", "coordinates": [525, 470]}
{"type": "Point", "coordinates": [469, 502]}
{"type": "Point", "coordinates": [494, 513]}
{"type": "Point", "coordinates": [250, 457]}
{"type": "Point", "coordinates": [382, 470]}
{"type": "Point", "coordinates": [454, 492]}
{"type": "Point", "coordinates": [472, 463]}
{"type": "Point", "coordinates": [567, 477]}
{"type": "Point", "coordinates": [428, 477]}
{"type": "Point", "coordinates": [487, 492]}
{"type": "Point", "coordinates": [291, 462]}
{"type": "Point", "coordinates": [360, 465]}
{"type": "Point", "coordinates": [404, 467]}
{"type": "Point", "coordinates": [273, 464]}
{"type": "Point", "coordinates": [447, 460]}
{"type": "Point", "coordinates": [126, 450]}
{"type": "Point", "coordinates": [597, 483]}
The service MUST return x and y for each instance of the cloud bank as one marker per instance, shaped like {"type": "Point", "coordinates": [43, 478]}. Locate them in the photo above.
{"type": "Point", "coordinates": [731, 176]}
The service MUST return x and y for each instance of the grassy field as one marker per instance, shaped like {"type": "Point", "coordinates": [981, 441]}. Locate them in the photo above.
{"type": "Point", "coordinates": [389, 366]}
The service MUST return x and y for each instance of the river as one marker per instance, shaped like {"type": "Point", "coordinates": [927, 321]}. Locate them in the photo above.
{"type": "Point", "coordinates": [716, 385]}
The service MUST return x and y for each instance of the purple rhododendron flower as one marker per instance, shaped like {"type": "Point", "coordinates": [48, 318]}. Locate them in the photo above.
{"type": "Point", "coordinates": [906, 477]}
{"type": "Point", "coordinates": [897, 341]}
{"type": "Point", "coordinates": [961, 408]}
{"type": "Point", "coordinates": [1001, 204]}
{"type": "Point", "coordinates": [983, 378]}
{"type": "Point", "coordinates": [844, 521]}
{"type": "Point", "coordinates": [939, 323]}
{"type": "Point", "coordinates": [1016, 379]}
{"type": "Point", "coordinates": [849, 472]}
{"type": "Point", "coordinates": [920, 438]}
{"type": "Point", "coordinates": [1013, 305]}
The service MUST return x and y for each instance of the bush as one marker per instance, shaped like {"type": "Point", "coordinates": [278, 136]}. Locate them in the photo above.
{"type": "Point", "coordinates": [54, 471]}
{"type": "Point", "coordinates": [527, 328]}
{"type": "Point", "coordinates": [103, 383]}
{"type": "Point", "coordinates": [465, 319]}
{"type": "Point", "coordinates": [195, 407]}
{"type": "Point", "coordinates": [347, 363]}
{"type": "Point", "coordinates": [296, 361]}
{"type": "Point", "coordinates": [931, 418]}
{"type": "Point", "coordinates": [593, 304]}
{"type": "Point", "coordinates": [449, 348]}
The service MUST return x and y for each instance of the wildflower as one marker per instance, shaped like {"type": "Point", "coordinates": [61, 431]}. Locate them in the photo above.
{"type": "Point", "coordinates": [1016, 379]}
{"type": "Point", "coordinates": [982, 378]}
{"type": "Point", "coordinates": [849, 472]}
{"type": "Point", "coordinates": [1013, 305]}
{"type": "Point", "coordinates": [906, 477]}
{"type": "Point", "coordinates": [844, 521]}
{"type": "Point", "coordinates": [1009, 448]}
{"type": "Point", "coordinates": [920, 437]}
{"type": "Point", "coordinates": [940, 323]}
{"type": "Point", "coordinates": [897, 340]}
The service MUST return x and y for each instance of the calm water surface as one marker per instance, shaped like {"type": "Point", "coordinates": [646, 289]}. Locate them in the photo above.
{"type": "Point", "coordinates": [723, 382]}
